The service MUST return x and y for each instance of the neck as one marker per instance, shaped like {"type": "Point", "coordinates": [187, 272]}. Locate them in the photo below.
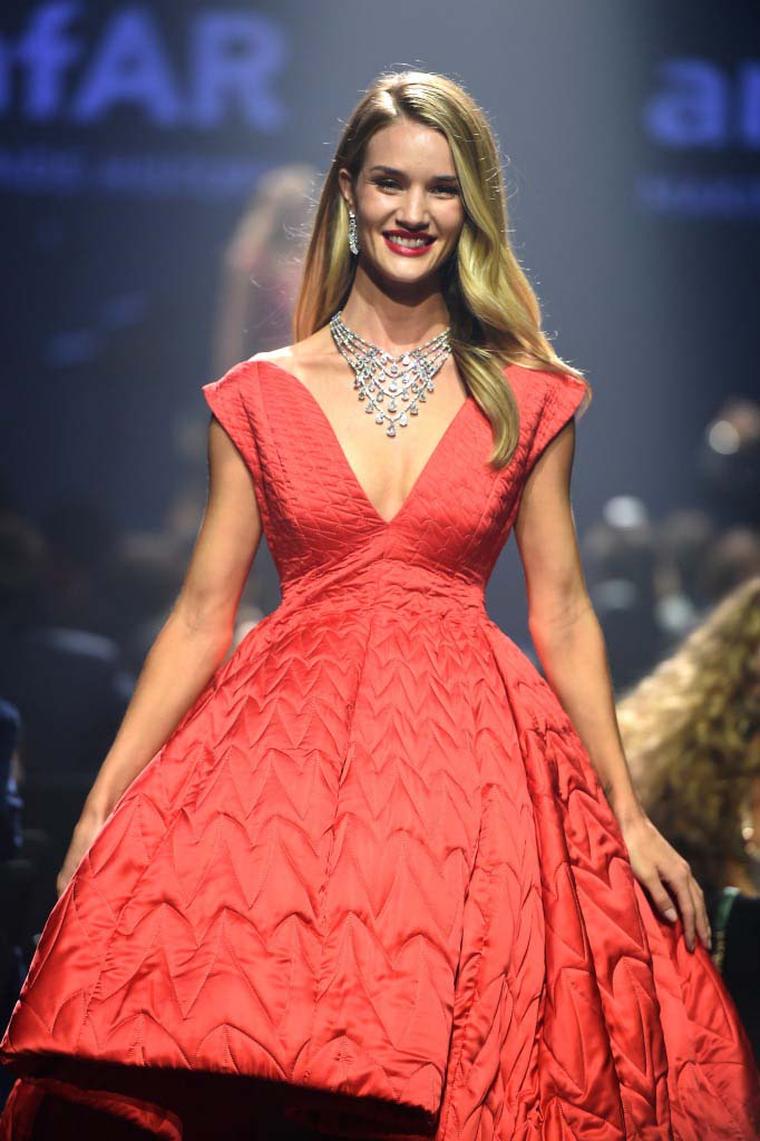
{"type": "Point", "coordinates": [396, 318]}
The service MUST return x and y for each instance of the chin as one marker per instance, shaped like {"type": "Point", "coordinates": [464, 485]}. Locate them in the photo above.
{"type": "Point", "coordinates": [409, 272]}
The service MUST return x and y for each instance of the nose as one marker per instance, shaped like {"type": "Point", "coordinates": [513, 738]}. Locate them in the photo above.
{"type": "Point", "coordinates": [412, 213]}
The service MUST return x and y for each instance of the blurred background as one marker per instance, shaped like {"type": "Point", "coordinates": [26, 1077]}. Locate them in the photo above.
{"type": "Point", "coordinates": [158, 163]}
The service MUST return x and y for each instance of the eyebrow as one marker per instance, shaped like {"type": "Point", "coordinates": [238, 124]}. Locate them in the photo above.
{"type": "Point", "coordinates": [400, 173]}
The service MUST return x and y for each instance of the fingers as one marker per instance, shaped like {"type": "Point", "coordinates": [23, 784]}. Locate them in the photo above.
{"type": "Point", "coordinates": [691, 904]}
{"type": "Point", "coordinates": [679, 884]}
{"type": "Point", "coordinates": [703, 923]}
{"type": "Point", "coordinates": [660, 896]}
{"type": "Point", "coordinates": [665, 873]}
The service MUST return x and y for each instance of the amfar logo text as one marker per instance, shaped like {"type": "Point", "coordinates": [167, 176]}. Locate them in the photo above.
{"type": "Point", "coordinates": [702, 105]}
{"type": "Point", "coordinates": [51, 74]}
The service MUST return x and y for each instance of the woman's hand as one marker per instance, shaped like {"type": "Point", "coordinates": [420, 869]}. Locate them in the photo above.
{"type": "Point", "coordinates": [658, 866]}
{"type": "Point", "coordinates": [87, 828]}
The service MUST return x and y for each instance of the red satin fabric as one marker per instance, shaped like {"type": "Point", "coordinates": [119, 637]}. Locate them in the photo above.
{"type": "Point", "coordinates": [371, 884]}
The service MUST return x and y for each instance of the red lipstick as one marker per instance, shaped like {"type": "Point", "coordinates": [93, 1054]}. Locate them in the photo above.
{"type": "Point", "coordinates": [425, 241]}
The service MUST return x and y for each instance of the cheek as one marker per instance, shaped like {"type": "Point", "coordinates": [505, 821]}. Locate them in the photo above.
{"type": "Point", "coordinates": [376, 210]}
{"type": "Point", "coordinates": [451, 220]}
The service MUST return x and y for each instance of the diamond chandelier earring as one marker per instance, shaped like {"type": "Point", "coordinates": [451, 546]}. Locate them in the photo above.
{"type": "Point", "coordinates": [353, 232]}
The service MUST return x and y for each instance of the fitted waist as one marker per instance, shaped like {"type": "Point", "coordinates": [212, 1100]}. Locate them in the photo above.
{"type": "Point", "coordinates": [384, 584]}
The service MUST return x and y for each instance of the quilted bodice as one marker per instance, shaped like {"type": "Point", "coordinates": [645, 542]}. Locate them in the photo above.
{"type": "Point", "coordinates": [324, 533]}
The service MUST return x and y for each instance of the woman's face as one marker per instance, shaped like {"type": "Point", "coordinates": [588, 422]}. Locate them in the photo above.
{"type": "Point", "coordinates": [407, 185]}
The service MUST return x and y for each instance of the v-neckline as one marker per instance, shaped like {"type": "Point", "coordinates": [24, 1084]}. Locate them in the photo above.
{"type": "Point", "coordinates": [343, 458]}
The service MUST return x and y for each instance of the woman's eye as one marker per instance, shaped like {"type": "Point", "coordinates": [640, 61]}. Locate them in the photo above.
{"type": "Point", "coordinates": [391, 184]}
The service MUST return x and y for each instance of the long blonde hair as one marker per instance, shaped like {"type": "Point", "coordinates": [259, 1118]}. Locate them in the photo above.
{"type": "Point", "coordinates": [494, 313]}
{"type": "Point", "coordinates": [692, 739]}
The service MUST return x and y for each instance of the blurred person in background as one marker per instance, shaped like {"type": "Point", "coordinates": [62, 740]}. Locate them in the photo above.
{"type": "Point", "coordinates": [71, 690]}
{"type": "Point", "coordinates": [732, 559]}
{"type": "Point", "coordinates": [691, 731]}
{"type": "Point", "coordinates": [145, 573]}
{"type": "Point", "coordinates": [79, 538]}
{"type": "Point", "coordinates": [620, 557]}
{"type": "Point", "coordinates": [262, 266]}
{"type": "Point", "coordinates": [729, 463]}
{"type": "Point", "coordinates": [683, 541]}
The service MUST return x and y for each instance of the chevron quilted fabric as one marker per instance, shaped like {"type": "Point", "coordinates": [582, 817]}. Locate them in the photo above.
{"type": "Point", "coordinates": [370, 885]}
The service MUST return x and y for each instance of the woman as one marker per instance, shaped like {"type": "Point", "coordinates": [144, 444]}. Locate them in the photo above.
{"type": "Point", "coordinates": [691, 732]}
{"type": "Point", "coordinates": [372, 870]}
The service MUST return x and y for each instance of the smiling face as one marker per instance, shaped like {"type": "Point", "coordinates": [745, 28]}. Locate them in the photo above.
{"type": "Point", "coordinates": [407, 201]}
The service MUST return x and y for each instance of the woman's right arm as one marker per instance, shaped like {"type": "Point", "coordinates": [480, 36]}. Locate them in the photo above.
{"type": "Point", "coordinates": [192, 642]}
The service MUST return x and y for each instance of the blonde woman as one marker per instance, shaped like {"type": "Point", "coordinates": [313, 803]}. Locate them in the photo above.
{"type": "Point", "coordinates": [374, 875]}
{"type": "Point", "coordinates": [691, 731]}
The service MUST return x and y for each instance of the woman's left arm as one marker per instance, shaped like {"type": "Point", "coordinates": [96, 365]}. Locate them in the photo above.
{"type": "Point", "coordinates": [571, 648]}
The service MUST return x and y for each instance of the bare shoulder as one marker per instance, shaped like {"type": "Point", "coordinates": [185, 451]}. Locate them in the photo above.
{"type": "Point", "coordinates": [311, 360]}
{"type": "Point", "coordinates": [311, 350]}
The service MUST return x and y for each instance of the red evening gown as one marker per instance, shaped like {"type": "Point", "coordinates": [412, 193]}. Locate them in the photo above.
{"type": "Point", "coordinates": [370, 886]}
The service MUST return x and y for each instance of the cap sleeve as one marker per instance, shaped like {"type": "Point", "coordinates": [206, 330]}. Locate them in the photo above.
{"type": "Point", "coordinates": [226, 397]}
{"type": "Point", "coordinates": [235, 400]}
{"type": "Point", "coordinates": [566, 397]}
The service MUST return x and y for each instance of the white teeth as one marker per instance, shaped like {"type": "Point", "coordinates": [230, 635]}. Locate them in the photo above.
{"type": "Point", "coordinates": [415, 243]}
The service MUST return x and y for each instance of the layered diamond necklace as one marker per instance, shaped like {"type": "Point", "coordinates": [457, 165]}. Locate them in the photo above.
{"type": "Point", "coordinates": [393, 387]}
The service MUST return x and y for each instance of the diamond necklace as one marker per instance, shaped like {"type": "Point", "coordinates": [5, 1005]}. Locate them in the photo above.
{"type": "Point", "coordinates": [387, 382]}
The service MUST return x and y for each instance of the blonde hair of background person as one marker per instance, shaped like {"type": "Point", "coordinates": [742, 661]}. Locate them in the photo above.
{"type": "Point", "coordinates": [691, 731]}
{"type": "Point", "coordinates": [494, 313]}
{"type": "Point", "coordinates": [261, 266]}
